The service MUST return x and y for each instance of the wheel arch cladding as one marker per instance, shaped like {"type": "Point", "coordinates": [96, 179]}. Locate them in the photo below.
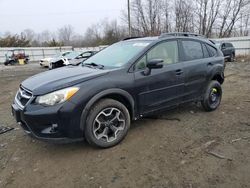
{"type": "Point", "coordinates": [219, 77]}
{"type": "Point", "coordinates": [117, 94]}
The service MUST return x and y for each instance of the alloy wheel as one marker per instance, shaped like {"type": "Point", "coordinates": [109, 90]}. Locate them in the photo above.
{"type": "Point", "coordinates": [108, 124]}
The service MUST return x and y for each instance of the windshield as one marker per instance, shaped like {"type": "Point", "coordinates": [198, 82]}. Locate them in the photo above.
{"type": "Point", "coordinates": [72, 55]}
{"type": "Point", "coordinates": [118, 54]}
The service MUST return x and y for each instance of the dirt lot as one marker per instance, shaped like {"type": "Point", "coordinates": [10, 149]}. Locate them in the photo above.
{"type": "Point", "coordinates": [186, 147]}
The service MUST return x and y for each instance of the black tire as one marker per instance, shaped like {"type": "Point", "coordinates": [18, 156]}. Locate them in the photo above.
{"type": "Point", "coordinates": [92, 128]}
{"type": "Point", "coordinates": [13, 62]}
{"type": "Point", "coordinates": [212, 96]}
{"type": "Point", "coordinates": [231, 58]}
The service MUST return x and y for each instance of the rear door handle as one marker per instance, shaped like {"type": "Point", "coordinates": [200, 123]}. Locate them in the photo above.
{"type": "Point", "coordinates": [210, 64]}
{"type": "Point", "coordinates": [178, 72]}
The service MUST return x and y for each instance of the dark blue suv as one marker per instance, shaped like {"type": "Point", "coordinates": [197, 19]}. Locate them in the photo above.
{"type": "Point", "coordinates": [98, 99]}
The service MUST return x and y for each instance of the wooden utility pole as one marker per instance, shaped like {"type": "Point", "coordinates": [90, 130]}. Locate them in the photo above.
{"type": "Point", "coordinates": [129, 19]}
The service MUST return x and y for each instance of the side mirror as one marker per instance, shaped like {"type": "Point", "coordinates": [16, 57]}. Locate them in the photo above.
{"type": "Point", "coordinates": [153, 64]}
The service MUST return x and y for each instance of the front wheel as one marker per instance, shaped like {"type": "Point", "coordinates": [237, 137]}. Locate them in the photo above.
{"type": "Point", "coordinates": [212, 96]}
{"type": "Point", "coordinates": [107, 124]}
{"type": "Point", "coordinates": [51, 66]}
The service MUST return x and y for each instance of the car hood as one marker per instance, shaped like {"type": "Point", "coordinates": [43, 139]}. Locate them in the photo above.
{"type": "Point", "coordinates": [60, 78]}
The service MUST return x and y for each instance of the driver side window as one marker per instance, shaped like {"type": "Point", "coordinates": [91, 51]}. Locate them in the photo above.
{"type": "Point", "coordinates": [167, 51]}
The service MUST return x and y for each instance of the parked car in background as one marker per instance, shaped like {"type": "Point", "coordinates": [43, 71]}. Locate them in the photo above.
{"type": "Point", "coordinates": [46, 61]}
{"type": "Point", "coordinates": [128, 80]}
{"type": "Point", "coordinates": [227, 49]}
{"type": "Point", "coordinates": [13, 56]}
{"type": "Point", "coordinates": [72, 58]}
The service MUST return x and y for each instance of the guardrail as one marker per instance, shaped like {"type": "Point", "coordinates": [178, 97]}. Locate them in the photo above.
{"type": "Point", "coordinates": [241, 44]}
{"type": "Point", "coordinates": [37, 53]}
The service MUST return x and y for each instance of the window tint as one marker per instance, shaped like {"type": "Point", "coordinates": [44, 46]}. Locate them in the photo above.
{"type": "Point", "coordinates": [167, 51]}
{"type": "Point", "coordinates": [192, 50]}
{"type": "Point", "coordinates": [205, 51]}
{"type": "Point", "coordinates": [212, 50]}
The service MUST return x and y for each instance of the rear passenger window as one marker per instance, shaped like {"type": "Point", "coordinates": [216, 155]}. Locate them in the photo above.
{"type": "Point", "coordinates": [192, 50]}
{"type": "Point", "coordinates": [205, 51]}
{"type": "Point", "coordinates": [212, 50]}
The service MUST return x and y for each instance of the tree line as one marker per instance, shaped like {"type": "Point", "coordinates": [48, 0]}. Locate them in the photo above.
{"type": "Point", "coordinates": [212, 18]}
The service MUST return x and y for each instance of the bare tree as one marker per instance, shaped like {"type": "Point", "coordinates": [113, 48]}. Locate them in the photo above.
{"type": "Point", "coordinates": [146, 17]}
{"type": "Point", "coordinates": [92, 35]}
{"type": "Point", "coordinates": [29, 34]}
{"type": "Point", "coordinates": [246, 24]}
{"type": "Point", "coordinates": [231, 15]}
{"type": "Point", "coordinates": [166, 25]}
{"type": "Point", "coordinates": [65, 34]}
{"type": "Point", "coordinates": [183, 16]}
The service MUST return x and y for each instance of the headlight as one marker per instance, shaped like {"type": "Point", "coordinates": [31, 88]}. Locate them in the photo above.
{"type": "Point", "coordinates": [57, 97]}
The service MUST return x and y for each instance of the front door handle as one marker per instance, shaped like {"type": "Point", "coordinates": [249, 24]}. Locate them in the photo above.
{"type": "Point", "coordinates": [178, 72]}
{"type": "Point", "coordinates": [210, 64]}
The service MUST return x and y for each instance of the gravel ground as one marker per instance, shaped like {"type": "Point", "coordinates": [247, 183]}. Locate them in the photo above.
{"type": "Point", "coordinates": [185, 147]}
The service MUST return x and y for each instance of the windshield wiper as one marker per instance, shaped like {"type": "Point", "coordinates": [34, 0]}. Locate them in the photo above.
{"type": "Point", "coordinates": [92, 64]}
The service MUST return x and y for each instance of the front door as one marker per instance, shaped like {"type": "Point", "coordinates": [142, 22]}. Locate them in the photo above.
{"type": "Point", "coordinates": [161, 88]}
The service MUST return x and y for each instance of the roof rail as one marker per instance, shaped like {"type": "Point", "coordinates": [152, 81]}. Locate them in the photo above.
{"type": "Point", "coordinates": [185, 34]}
{"type": "Point", "coordinates": [128, 38]}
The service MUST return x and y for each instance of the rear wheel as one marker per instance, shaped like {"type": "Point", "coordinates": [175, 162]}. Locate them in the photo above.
{"type": "Point", "coordinates": [107, 124]}
{"type": "Point", "coordinates": [231, 58]}
{"type": "Point", "coordinates": [212, 97]}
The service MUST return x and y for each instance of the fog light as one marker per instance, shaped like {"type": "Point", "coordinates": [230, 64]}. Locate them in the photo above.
{"type": "Point", "coordinates": [54, 128]}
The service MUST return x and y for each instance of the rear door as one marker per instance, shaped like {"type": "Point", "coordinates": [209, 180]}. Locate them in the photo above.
{"type": "Point", "coordinates": [195, 68]}
{"type": "Point", "coordinates": [161, 88]}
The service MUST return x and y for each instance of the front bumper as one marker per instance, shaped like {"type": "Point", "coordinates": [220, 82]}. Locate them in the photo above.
{"type": "Point", "coordinates": [60, 123]}
{"type": "Point", "coordinates": [44, 63]}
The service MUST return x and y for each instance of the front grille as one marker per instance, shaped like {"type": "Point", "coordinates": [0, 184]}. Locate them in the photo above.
{"type": "Point", "coordinates": [22, 97]}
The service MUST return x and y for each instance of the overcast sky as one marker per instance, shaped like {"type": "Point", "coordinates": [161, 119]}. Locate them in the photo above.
{"type": "Point", "coordinates": [39, 15]}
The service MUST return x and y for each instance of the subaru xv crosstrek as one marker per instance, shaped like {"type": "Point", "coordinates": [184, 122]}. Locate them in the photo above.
{"type": "Point", "coordinates": [131, 79]}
